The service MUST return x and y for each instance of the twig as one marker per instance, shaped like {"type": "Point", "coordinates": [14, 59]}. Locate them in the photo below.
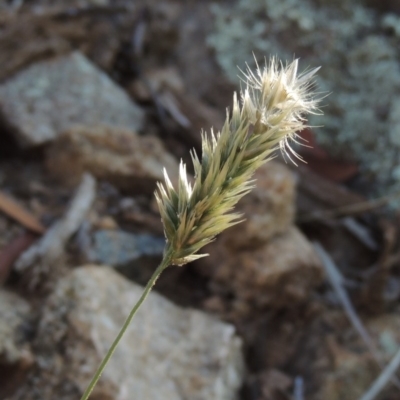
{"type": "Point", "coordinates": [169, 103]}
{"type": "Point", "coordinates": [298, 392]}
{"type": "Point", "coordinates": [336, 281]}
{"type": "Point", "coordinates": [16, 211]}
{"type": "Point", "coordinates": [52, 244]}
{"type": "Point", "coordinates": [383, 379]}
{"type": "Point", "coordinates": [352, 209]}
{"type": "Point", "coordinates": [360, 232]}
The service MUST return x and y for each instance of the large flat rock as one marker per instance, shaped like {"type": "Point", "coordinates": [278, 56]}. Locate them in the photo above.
{"type": "Point", "coordinates": [168, 352]}
{"type": "Point", "coordinates": [51, 96]}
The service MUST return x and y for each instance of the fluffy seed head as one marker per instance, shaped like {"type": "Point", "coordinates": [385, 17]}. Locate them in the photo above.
{"type": "Point", "coordinates": [277, 96]}
{"type": "Point", "coordinates": [273, 108]}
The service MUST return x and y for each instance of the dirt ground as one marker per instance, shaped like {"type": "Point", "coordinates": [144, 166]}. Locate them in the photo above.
{"type": "Point", "coordinates": [302, 346]}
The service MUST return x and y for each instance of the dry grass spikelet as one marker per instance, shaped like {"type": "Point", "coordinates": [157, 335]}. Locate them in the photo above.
{"type": "Point", "coordinates": [273, 108]}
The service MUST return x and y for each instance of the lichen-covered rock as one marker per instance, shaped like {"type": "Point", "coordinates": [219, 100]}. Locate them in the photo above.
{"type": "Point", "coordinates": [51, 96]}
{"type": "Point", "coordinates": [130, 162]}
{"type": "Point", "coordinates": [358, 50]}
{"type": "Point", "coordinates": [167, 353]}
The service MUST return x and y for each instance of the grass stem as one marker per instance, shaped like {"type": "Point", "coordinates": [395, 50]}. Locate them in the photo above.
{"type": "Point", "coordinates": [164, 264]}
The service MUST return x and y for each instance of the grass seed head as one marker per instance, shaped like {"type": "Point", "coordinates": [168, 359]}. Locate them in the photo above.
{"type": "Point", "coordinates": [272, 109]}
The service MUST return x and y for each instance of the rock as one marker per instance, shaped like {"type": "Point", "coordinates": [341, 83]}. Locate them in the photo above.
{"type": "Point", "coordinates": [15, 350]}
{"type": "Point", "coordinates": [134, 255]}
{"type": "Point", "coordinates": [158, 79]}
{"type": "Point", "coordinates": [273, 383]}
{"type": "Point", "coordinates": [385, 329]}
{"type": "Point", "coordinates": [280, 273]}
{"type": "Point", "coordinates": [268, 209]}
{"type": "Point", "coordinates": [352, 374]}
{"type": "Point", "coordinates": [265, 260]}
{"type": "Point", "coordinates": [117, 248]}
{"type": "Point", "coordinates": [51, 96]}
{"type": "Point", "coordinates": [15, 312]}
{"type": "Point", "coordinates": [130, 162]}
{"type": "Point", "coordinates": [167, 353]}
{"type": "Point", "coordinates": [354, 368]}
{"type": "Point", "coordinates": [106, 222]}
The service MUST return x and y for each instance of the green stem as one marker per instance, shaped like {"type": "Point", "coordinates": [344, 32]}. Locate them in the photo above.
{"type": "Point", "coordinates": [166, 261]}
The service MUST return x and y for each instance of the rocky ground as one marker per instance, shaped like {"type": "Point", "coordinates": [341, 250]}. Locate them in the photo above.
{"type": "Point", "coordinates": [300, 301]}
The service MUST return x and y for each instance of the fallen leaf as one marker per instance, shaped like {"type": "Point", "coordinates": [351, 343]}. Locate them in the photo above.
{"type": "Point", "coordinates": [16, 211]}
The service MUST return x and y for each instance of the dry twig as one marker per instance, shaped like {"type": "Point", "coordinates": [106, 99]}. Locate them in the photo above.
{"type": "Point", "coordinates": [298, 392]}
{"type": "Point", "coordinates": [347, 210]}
{"type": "Point", "coordinates": [52, 244]}
{"type": "Point", "coordinates": [388, 374]}
{"type": "Point", "coordinates": [336, 281]}
{"type": "Point", "coordinates": [14, 210]}
{"type": "Point", "coordinates": [360, 232]}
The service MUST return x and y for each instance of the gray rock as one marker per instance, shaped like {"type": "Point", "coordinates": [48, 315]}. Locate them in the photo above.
{"type": "Point", "coordinates": [14, 314]}
{"type": "Point", "coordinates": [118, 248]}
{"type": "Point", "coordinates": [131, 162]}
{"type": "Point", "coordinates": [167, 353]}
{"type": "Point", "coordinates": [15, 351]}
{"type": "Point", "coordinates": [49, 97]}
